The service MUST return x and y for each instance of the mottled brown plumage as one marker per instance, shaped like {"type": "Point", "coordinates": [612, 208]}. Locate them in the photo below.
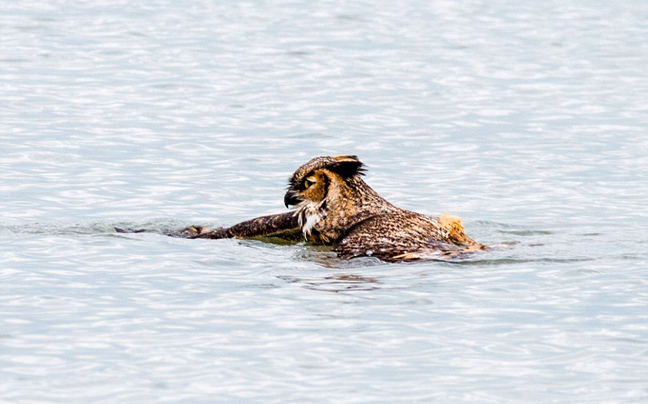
{"type": "Point", "coordinates": [334, 206]}
{"type": "Point", "coordinates": [283, 225]}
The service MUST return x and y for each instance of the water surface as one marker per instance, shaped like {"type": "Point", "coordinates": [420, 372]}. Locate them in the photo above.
{"type": "Point", "coordinates": [529, 121]}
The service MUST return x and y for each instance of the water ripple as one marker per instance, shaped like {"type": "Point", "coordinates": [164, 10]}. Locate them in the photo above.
{"type": "Point", "coordinates": [527, 121]}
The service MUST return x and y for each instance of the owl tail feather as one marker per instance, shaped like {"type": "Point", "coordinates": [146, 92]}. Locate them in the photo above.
{"type": "Point", "coordinates": [456, 233]}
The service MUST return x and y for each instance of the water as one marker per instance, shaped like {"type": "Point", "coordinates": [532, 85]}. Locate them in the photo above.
{"type": "Point", "coordinates": [528, 120]}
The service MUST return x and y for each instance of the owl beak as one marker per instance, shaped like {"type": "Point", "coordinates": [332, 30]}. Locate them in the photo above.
{"type": "Point", "coordinates": [290, 199]}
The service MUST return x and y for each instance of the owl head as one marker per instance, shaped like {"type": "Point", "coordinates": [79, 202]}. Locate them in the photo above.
{"type": "Point", "coordinates": [312, 181]}
{"type": "Point", "coordinates": [331, 197]}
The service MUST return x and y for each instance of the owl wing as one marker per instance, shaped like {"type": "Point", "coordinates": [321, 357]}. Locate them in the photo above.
{"type": "Point", "coordinates": [403, 235]}
{"type": "Point", "coordinates": [283, 225]}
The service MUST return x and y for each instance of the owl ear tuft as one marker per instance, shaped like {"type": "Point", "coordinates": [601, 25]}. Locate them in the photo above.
{"type": "Point", "coordinates": [347, 166]}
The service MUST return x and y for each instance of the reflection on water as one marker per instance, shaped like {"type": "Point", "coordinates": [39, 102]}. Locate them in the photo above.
{"type": "Point", "coordinates": [336, 283]}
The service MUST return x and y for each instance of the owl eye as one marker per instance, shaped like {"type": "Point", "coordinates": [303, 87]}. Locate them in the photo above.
{"type": "Point", "coordinates": [308, 183]}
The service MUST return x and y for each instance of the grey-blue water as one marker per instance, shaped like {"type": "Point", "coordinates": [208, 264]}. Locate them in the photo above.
{"type": "Point", "coordinates": [529, 120]}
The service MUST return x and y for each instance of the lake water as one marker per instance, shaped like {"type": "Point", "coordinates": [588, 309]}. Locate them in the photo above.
{"type": "Point", "coordinates": [530, 121]}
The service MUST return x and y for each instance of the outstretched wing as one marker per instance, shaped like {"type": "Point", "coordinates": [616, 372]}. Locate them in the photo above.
{"type": "Point", "coordinates": [284, 225]}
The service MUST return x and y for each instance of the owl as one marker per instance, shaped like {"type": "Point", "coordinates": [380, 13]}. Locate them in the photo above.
{"type": "Point", "coordinates": [334, 206]}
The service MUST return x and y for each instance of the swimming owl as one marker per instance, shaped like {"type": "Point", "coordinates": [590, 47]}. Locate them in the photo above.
{"type": "Point", "coordinates": [334, 206]}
